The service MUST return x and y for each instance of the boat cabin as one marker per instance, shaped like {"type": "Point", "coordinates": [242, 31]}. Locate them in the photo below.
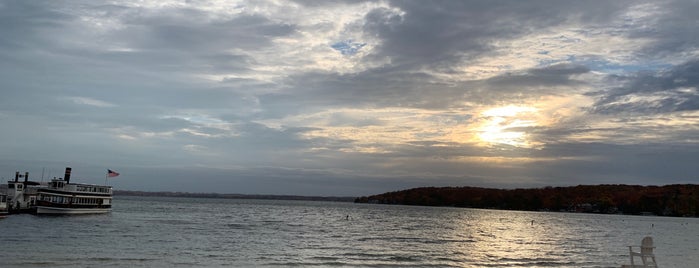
{"type": "Point", "coordinates": [21, 195]}
{"type": "Point", "coordinates": [79, 188]}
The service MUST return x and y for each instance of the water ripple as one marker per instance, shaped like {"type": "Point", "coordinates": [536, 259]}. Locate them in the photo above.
{"type": "Point", "coordinates": [186, 232]}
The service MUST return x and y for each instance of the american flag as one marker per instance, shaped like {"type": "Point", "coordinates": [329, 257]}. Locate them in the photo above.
{"type": "Point", "coordinates": [112, 173]}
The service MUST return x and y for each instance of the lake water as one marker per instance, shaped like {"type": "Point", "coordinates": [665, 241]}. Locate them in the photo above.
{"type": "Point", "coordinates": [190, 232]}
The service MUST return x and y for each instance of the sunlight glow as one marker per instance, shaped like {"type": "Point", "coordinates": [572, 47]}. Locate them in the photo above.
{"type": "Point", "coordinates": [387, 130]}
{"type": "Point", "coordinates": [505, 125]}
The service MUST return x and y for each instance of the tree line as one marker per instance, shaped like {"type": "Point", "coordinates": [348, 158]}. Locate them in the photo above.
{"type": "Point", "coordinates": [668, 200]}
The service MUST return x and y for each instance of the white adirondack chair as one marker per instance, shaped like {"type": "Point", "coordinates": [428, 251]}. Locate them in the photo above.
{"type": "Point", "coordinates": [645, 253]}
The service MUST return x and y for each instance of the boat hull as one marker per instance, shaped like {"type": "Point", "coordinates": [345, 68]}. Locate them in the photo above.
{"type": "Point", "coordinates": [57, 210]}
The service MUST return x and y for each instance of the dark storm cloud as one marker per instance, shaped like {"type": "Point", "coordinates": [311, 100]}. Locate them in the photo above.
{"type": "Point", "coordinates": [443, 33]}
{"type": "Point", "coordinates": [550, 78]}
{"type": "Point", "coordinates": [653, 92]}
{"type": "Point", "coordinates": [673, 32]}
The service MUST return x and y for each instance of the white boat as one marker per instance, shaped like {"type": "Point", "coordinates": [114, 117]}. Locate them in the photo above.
{"type": "Point", "coordinates": [63, 197]}
{"type": "Point", "coordinates": [59, 196]}
{"type": "Point", "coordinates": [21, 195]}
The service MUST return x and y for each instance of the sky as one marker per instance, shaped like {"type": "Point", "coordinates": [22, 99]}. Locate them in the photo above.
{"type": "Point", "coordinates": [350, 98]}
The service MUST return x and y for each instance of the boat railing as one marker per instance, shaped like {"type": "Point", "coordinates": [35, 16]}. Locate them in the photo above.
{"type": "Point", "coordinates": [83, 188]}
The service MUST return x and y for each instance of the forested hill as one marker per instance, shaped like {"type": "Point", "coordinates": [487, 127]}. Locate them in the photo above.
{"type": "Point", "coordinates": [669, 200]}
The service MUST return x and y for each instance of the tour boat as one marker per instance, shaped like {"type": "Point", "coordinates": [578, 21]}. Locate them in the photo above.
{"type": "Point", "coordinates": [59, 196]}
{"type": "Point", "coordinates": [21, 195]}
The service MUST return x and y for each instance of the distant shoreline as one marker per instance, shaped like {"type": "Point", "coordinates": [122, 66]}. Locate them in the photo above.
{"type": "Point", "coordinates": [235, 196]}
{"type": "Point", "coordinates": [678, 200]}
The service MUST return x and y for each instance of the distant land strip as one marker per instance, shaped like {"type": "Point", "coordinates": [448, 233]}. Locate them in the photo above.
{"type": "Point", "coordinates": [680, 200]}
{"type": "Point", "coordinates": [234, 196]}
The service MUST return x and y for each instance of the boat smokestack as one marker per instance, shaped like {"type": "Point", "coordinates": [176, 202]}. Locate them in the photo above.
{"type": "Point", "coordinates": [16, 176]}
{"type": "Point", "coordinates": [67, 175]}
{"type": "Point", "coordinates": [26, 176]}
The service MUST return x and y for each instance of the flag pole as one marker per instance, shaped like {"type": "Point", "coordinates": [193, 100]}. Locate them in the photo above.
{"type": "Point", "coordinates": [105, 178]}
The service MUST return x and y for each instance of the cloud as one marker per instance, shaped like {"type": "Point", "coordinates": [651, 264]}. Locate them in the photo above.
{"type": "Point", "coordinates": [352, 97]}
{"type": "Point", "coordinates": [467, 31]}
{"type": "Point", "coordinates": [648, 92]}
{"type": "Point", "coordinates": [196, 31]}
{"type": "Point", "coordinates": [669, 27]}
{"type": "Point", "coordinates": [547, 79]}
{"type": "Point", "coordinates": [90, 102]}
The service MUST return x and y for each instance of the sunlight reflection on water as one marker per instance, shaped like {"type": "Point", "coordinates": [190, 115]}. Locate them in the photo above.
{"type": "Point", "coordinates": [167, 232]}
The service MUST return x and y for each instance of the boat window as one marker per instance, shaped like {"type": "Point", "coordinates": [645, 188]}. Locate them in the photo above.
{"type": "Point", "coordinates": [10, 186]}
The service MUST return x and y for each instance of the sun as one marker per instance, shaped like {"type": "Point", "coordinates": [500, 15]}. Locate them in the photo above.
{"type": "Point", "coordinates": [507, 125]}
